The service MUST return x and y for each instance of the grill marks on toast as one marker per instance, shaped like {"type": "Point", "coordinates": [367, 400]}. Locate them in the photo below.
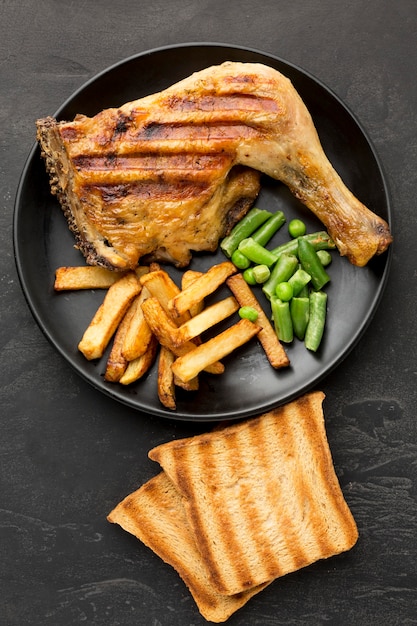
{"type": "Point", "coordinates": [262, 496]}
{"type": "Point", "coordinates": [236, 508]}
{"type": "Point", "coordinates": [155, 515]}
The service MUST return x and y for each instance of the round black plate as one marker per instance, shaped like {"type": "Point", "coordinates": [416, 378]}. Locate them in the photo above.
{"type": "Point", "coordinates": [249, 386]}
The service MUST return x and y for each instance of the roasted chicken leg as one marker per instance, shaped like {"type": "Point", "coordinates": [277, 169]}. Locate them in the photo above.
{"type": "Point", "coordinates": [169, 173]}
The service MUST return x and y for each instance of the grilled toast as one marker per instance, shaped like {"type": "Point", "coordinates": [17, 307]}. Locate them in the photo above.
{"type": "Point", "coordinates": [155, 515]}
{"type": "Point", "coordinates": [261, 496]}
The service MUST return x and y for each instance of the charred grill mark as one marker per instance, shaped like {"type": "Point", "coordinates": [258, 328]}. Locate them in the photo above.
{"type": "Point", "coordinates": [158, 190]}
{"type": "Point", "coordinates": [68, 133]}
{"type": "Point", "coordinates": [213, 131]}
{"type": "Point", "coordinates": [152, 162]}
{"type": "Point", "coordinates": [123, 124]}
{"type": "Point", "coordinates": [230, 102]}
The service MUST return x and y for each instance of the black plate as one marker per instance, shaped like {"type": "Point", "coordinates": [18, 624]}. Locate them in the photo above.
{"type": "Point", "coordinates": [249, 386]}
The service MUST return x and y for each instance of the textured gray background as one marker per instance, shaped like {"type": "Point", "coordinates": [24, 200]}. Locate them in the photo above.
{"type": "Point", "coordinates": [68, 454]}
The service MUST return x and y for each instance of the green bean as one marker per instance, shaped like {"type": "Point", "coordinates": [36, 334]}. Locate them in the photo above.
{"type": "Point", "coordinates": [304, 292]}
{"type": "Point", "coordinates": [299, 280]}
{"type": "Point", "coordinates": [240, 260]}
{"type": "Point", "coordinates": [282, 320]}
{"type": "Point", "coordinates": [311, 263]}
{"type": "Point", "coordinates": [319, 240]}
{"type": "Point", "coordinates": [268, 229]}
{"type": "Point", "coordinates": [281, 272]}
{"type": "Point", "coordinates": [249, 313]}
{"type": "Point", "coordinates": [325, 257]}
{"type": "Point", "coordinates": [299, 309]}
{"type": "Point", "coordinates": [247, 225]}
{"type": "Point", "coordinates": [256, 253]}
{"type": "Point", "coordinates": [316, 323]}
{"type": "Point", "coordinates": [261, 273]}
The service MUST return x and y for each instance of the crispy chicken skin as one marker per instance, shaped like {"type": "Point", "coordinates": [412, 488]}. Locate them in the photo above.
{"type": "Point", "coordinates": [172, 172]}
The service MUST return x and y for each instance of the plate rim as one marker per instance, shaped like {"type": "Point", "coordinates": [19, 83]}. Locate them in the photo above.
{"type": "Point", "coordinates": [162, 411]}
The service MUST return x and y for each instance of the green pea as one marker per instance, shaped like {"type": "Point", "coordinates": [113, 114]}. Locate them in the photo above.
{"type": "Point", "coordinates": [284, 291]}
{"type": "Point", "coordinates": [296, 228]}
{"type": "Point", "coordinates": [240, 260]}
{"type": "Point", "coordinates": [249, 313]}
{"type": "Point", "coordinates": [249, 276]}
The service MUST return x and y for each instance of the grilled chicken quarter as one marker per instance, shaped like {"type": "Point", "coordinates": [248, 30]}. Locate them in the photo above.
{"type": "Point", "coordinates": [170, 173]}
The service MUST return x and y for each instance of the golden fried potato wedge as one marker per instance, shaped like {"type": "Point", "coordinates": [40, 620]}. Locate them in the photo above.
{"type": "Point", "coordinates": [165, 330]}
{"type": "Point", "coordinates": [138, 368]}
{"type": "Point", "coordinates": [116, 363]}
{"type": "Point", "coordinates": [84, 277]}
{"type": "Point", "coordinates": [206, 284]}
{"type": "Point", "coordinates": [160, 285]}
{"type": "Point", "coordinates": [108, 316]}
{"type": "Point", "coordinates": [189, 365]}
{"type": "Point", "coordinates": [209, 317]}
{"type": "Point", "coordinates": [187, 278]}
{"type": "Point", "coordinates": [267, 336]}
{"type": "Point", "coordinates": [166, 385]}
{"type": "Point", "coordinates": [138, 334]}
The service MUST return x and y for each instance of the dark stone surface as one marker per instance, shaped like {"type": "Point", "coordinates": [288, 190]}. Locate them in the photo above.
{"type": "Point", "coordinates": [68, 454]}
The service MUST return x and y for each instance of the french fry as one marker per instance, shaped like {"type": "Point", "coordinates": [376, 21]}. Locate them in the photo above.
{"type": "Point", "coordinates": [191, 364]}
{"type": "Point", "coordinates": [267, 336]}
{"type": "Point", "coordinates": [138, 368]}
{"type": "Point", "coordinates": [161, 286]}
{"type": "Point", "coordinates": [84, 277]}
{"type": "Point", "coordinates": [116, 362]}
{"type": "Point", "coordinates": [108, 316]}
{"type": "Point", "coordinates": [138, 334]}
{"type": "Point", "coordinates": [166, 385]}
{"type": "Point", "coordinates": [165, 329]}
{"type": "Point", "coordinates": [208, 317]}
{"type": "Point", "coordinates": [200, 288]}
{"type": "Point", "coordinates": [187, 278]}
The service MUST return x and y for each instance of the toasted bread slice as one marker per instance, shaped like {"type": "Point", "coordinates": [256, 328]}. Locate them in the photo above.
{"type": "Point", "coordinates": [261, 496]}
{"type": "Point", "coordinates": [155, 514]}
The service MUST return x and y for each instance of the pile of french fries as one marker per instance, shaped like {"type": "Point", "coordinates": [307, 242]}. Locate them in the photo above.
{"type": "Point", "coordinates": [148, 317]}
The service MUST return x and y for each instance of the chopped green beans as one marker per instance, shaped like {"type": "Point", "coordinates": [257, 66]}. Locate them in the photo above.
{"type": "Point", "coordinates": [256, 253]}
{"type": "Point", "coordinates": [299, 280]}
{"type": "Point", "coordinates": [282, 320]}
{"type": "Point", "coordinates": [269, 228]}
{"type": "Point", "coordinates": [304, 293]}
{"type": "Point", "coordinates": [244, 228]}
{"type": "Point", "coordinates": [319, 240]}
{"type": "Point", "coordinates": [311, 263]}
{"type": "Point", "coordinates": [261, 273]}
{"type": "Point", "coordinates": [249, 313]}
{"type": "Point", "coordinates": [292, 274]}
{"type": "Point", "coordinates": [240, 260]}
{"type": "Point", "coordinates": [249, 276]}
{"type": "Point", "coordinates": [281, 272]}
{"type": "Point", "coordinates": [296, 228]}
{"type": "Point", "coordinates": [284, 291]}
{"type": "Point", "coordinates": [299, 309]}
{"type": "Point", "coordinates": [315, 327]}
